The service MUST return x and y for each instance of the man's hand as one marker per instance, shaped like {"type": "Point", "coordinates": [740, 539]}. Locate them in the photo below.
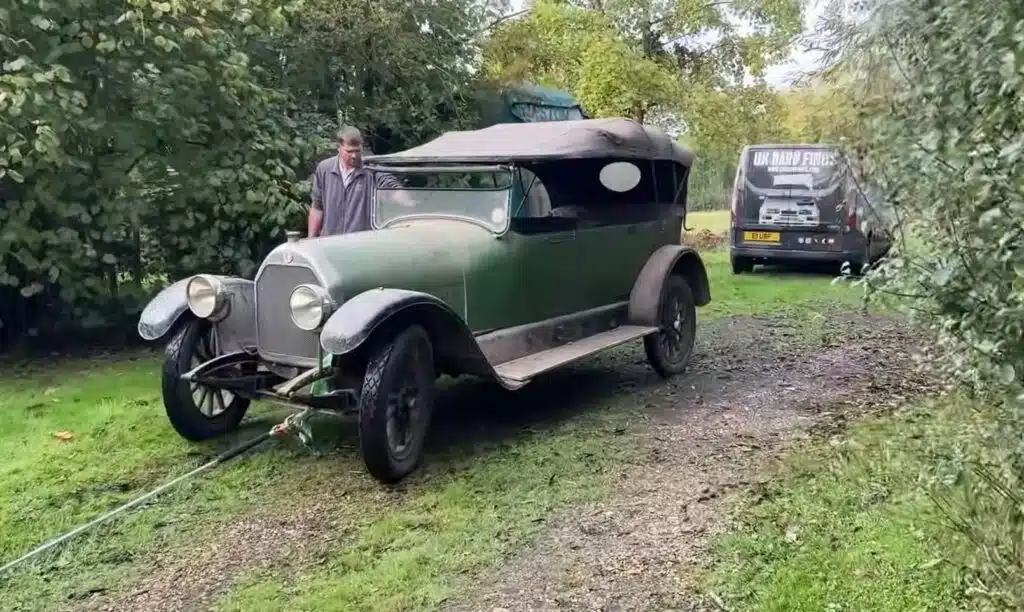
{"type": "Point", "coordinates": [396, 187]}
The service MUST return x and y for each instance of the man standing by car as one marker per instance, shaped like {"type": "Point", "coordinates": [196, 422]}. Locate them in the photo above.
{"type": "Point", "coordinates": [342, 189]}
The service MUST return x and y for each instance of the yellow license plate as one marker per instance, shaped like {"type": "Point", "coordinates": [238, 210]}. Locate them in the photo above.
{"type": "Point", "coordinates": [761, 236]}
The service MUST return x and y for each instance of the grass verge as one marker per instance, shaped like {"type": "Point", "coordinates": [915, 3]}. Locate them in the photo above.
{"type": "Point", "coordinates": [850, 524]}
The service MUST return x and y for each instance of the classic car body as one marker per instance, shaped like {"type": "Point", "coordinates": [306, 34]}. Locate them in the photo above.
{"type": "Point", "coordinates": [510, 251]}
{"type": "Point", "coordinates": [801, 202]}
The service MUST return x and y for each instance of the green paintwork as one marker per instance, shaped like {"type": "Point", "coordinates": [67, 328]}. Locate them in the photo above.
{"type": "Point", "coordinates": [492, 281]}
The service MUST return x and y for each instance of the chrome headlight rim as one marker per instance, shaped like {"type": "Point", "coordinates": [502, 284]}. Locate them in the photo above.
{"type": "Point", "coordinates": [205, 296]}
{"type": "Point", "coordinates": [309, 312]}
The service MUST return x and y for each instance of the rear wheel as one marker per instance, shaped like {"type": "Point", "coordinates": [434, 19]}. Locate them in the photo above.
{"type": "Point", "coordinates": [669, 350]}
{"type": "Point", "coordinates": [395, 405]}
{"type": "Point", "coordinates": [197, 411]}
{"type": "Point", "coordinates": [860, 264]}
{"type": "Point", "coordinates": [741, 264]}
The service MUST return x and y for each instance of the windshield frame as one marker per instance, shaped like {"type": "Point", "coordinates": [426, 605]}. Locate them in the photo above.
{"type": "Point", "coordinates": [426, 169]}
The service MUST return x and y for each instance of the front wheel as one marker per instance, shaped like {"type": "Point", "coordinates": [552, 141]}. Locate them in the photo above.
{"type": "Point", "coordinates": [197, 411]}
{"type": "Point", "coordinates": [669, 350]}
{"type": "Point", "coordinates": [396, 404]}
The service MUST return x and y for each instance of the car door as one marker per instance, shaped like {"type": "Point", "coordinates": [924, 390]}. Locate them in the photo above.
{"type": "Point", "coordinates": [611, 257]}
{"type": "Point", "coordinates": [552, 273]}
{"type": "Point", "coordinates": [532, 272]}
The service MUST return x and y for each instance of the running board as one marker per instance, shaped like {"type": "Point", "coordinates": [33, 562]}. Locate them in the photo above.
{"type": "Point", "coordinates": [523, 369]}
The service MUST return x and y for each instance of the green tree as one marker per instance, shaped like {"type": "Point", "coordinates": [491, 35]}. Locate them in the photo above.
{"type": "Point", "coordinates": [400, 70]}
{"type": "Point", "coordinates": [579, 50]}
{"type": "Point", "coordinates": [943, 81]}
{"type": "Point", "coordinates": [137, 138]}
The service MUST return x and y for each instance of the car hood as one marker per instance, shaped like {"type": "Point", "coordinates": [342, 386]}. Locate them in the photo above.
{"type": "Point", "coordinates": [429, 255]}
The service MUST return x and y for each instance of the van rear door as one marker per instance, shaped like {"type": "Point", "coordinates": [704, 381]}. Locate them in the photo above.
{"type": "Point", "coordinates": [791, 196]}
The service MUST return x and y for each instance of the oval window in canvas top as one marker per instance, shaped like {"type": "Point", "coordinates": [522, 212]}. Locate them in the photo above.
{"type": "Point", "coordinates": [620, 176]}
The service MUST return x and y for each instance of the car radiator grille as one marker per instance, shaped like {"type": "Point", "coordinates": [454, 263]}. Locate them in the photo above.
{"type": "Point", "coordinates": [279, 339]}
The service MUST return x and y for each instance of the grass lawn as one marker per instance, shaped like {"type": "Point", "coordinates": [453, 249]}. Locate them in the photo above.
{"type": "Point", "coordinates": [848, 525]}
{"type": "Point", "coordinates": [715, 220]}
{"type": "Point", "coordinates": [79, 438]}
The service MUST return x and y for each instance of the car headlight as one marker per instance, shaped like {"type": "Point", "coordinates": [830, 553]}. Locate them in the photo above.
{"type": "Point", "coordinates": [205, 296]}
{"type": "Point", "coordinates": [310, 306]}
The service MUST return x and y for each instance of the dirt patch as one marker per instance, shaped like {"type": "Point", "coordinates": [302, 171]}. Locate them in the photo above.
{"type": "Point", "coordinates": [708, 436]}
{"type": "Point", "coordinates": [756, 384]}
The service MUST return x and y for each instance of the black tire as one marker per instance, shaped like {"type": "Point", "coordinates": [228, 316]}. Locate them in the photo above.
{"type": "Point", "coordinates": [669, 351]}
{"type": "Point", "coordinates": [860, 265]}
{"type": "Point", "coordinates": [197, 412]}
{"type": "Point", "coordinates": [741, 264]}
{"type": "Point", "coordinates": [396, 404]}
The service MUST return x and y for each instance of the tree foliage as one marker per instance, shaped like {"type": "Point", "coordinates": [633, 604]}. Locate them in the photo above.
{"type": "Point", "coordinates": [944, 83]}
{"type": "Point", "coordinates": [683, 64]}
{"type": "Point", "coordinates": [579, 50]}
{"type": "Point", "coordinates": [147, 140]}
{"type": "Point", "coordinates": [400, 70]}
{"type": "Point", "coordinates": [136, 135]}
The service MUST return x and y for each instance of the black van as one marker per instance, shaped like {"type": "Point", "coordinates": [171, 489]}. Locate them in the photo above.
{"type": "Point", "coordinates": [801, 202]}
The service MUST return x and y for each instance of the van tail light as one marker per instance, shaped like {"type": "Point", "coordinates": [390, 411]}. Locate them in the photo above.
{"type": "Point", "coordinates": [732, 206]}
{"type": "Point", "coordinates": [851, 220]}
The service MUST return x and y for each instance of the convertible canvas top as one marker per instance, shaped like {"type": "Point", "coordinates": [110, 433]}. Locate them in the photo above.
{"type": "Point", "coordinates": [545, 140]}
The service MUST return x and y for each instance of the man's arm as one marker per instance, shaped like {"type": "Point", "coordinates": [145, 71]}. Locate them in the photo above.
{"type": "Point", "coordinates": [315, 219]}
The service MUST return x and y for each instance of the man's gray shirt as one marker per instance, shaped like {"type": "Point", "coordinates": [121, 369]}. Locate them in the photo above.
{"type": "Point", "coordinates": [346, 208]}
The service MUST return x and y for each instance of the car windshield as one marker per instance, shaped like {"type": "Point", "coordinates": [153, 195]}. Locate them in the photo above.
{"type": "Point", "coordinates": [478, 195]}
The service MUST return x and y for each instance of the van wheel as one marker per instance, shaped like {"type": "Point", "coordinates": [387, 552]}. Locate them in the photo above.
{"type": "Point", "coordinates": [395, 405]}
{"type": "Point", "coordinates": [858, 267]}
{"type": "Point", "coordinates": [741, 264]}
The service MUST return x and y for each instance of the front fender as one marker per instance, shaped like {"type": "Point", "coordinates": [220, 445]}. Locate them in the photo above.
{"type": "Point", "coordinates": [349, 326]}
{"type": "Point", "coordinates": [645, 297]}
{"type": "Point", "coordinates": [170, 305]}
{"type": "Point", "coordinates": [389, 310]}
{"type": "Point", "coordinates": [163, 311]}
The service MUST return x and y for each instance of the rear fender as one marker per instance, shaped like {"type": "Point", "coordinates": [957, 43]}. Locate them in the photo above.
{"type": "Point", "coordinates": [376, 314]}
{"type": "Point", "coordinates": [645, 297]}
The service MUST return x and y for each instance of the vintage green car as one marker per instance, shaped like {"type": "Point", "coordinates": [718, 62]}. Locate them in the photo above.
{"type": "Point", "coordinates": [507, 252]}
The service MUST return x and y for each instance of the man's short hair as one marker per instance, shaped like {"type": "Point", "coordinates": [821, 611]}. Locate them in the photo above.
{"type": "Point", "coordinates": [349, 135]}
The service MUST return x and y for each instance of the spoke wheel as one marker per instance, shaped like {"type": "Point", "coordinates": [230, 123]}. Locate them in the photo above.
{"type": "Point", "coordinates": [198, 411]}
{"type": "Point", "coordinates": [396, 404]}
{"type": "Point", "coordinates": [209, 401]}
{"type": "Point", "coordinates": [670, 349]}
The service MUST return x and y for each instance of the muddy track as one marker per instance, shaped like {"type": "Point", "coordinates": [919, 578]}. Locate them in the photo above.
{"type": "Point", "coordinates": [755, 384]}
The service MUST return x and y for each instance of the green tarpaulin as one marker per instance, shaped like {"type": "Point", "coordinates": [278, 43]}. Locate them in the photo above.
{"type": "Point", "coordinates": [527, 103]}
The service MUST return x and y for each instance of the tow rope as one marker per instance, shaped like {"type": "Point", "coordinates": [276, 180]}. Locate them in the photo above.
{"type": "Point", "coordinates": [286, 427]}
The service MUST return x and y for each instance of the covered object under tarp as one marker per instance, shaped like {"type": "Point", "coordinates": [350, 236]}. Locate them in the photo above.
{"type": "Point", "coordinates": [527, 103]}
